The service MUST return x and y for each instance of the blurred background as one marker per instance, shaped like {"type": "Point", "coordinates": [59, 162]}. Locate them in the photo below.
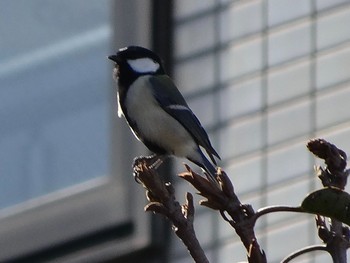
{"type": "Point", "coordinates": [263, 76]}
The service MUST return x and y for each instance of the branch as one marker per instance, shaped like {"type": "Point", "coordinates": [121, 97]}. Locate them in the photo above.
{"type": "Point", "coordinates": [303, 251]}
{"type": "Point", "coordinates": [334, 174]}
{"type": "Point", "coordinates": [339, 243]}
{"type": "Point", "coordinates": [240, 216]}
{"type": "Point", "coordinates": [162, 201]}
{"type": "Point", "coordinates": [277, 208]}
{"type": "Point", "coordinates": [336, 244]}
{"type": "Point", "coordinates": [220, 196]}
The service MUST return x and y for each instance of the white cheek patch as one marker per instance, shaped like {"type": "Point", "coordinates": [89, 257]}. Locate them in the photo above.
{"type": "Point", "coordinates": [143, 65]}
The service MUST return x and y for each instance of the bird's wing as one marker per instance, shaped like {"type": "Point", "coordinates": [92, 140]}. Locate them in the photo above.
{"type": "Point", "coordinates": [171, 100]}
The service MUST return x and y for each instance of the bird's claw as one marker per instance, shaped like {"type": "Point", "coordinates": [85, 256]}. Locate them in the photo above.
{"type": "Point", "coordinates": [152, 162]}
{"type": "Point", "coordinates": [158, 162]}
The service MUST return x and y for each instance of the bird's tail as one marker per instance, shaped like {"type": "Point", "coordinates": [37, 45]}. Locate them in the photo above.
{"type": "Point", "coordinates": [206, 165]}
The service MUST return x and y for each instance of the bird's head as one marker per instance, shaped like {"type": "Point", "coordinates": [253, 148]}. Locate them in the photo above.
{"type": "Point", "coordinates": [134, 61]}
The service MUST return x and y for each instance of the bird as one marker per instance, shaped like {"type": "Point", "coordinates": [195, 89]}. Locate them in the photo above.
{"type": "Point", "coordinates": [156, 111]}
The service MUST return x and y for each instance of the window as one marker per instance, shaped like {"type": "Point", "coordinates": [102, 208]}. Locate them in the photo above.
{"type": "Point", "coordinates": [63, 167]}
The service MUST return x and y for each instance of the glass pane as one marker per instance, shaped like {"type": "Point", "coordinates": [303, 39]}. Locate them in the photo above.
{"type": "Point", "coordinates": [296, 117]}
{"type": "Point", "coordinates": [241, 59]}
{"type": "Point", "coordinates": [326, 35]}
{"type": "Point", "coordinates": [290, 43]}
{"type": "Point", "coordinates": [188, 41]}
{"type": "Point", "coordinates": [288, 82]}
{"type": "Point", "coordinates": [239, 20]}
{"type": "Point", "coordinates": [53, 96]}
{"type": "Point", "coordinates": [281, 11]}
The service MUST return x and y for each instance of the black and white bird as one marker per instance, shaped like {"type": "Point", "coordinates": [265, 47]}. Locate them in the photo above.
{"type": "Point", "coordinates": [155, 110]}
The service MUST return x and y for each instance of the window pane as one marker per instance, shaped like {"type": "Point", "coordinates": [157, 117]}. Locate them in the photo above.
{"type": "Point", "coordinates": [281, 11]}
{"type": "Point", "coordinates": [241, 59]}
{"type": "Point", "coordinates": [333, 68]}
{"type": "Point", "coordinates": [288, 82]}
{"type": "Point", "coordinates": [296, 117]}
{"type": "Point", "coordinates": [289, 43]}
{"type": "Point", "coordinates": [241, 20]}
{"type": "Point", "coordinates": [53, 96]}
{"type": "Point", "coordinates": [326, 35]}
{"type": "Point", "coordinates": [187, 39]}
{"type": "Point", "coordinates": [240, 99]}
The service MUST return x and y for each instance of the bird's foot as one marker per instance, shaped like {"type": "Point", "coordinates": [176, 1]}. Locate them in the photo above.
{"type": "Point", "coordinates": [149, 160]}
{"type": "Point", "coordinates": [155, 165]}
{"type": "Point", "coordinates": [152, 162]}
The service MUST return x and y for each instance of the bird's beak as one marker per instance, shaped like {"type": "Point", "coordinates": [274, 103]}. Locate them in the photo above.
{"type": "Point", "coordinates": [113, 58]}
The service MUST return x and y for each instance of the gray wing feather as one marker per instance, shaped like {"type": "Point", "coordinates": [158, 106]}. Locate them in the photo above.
{"type": "Point", "coordinates": [171, 100]}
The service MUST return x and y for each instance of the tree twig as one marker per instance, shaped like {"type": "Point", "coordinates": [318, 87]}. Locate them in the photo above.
{"type": "Point", "coordinates": [274, 209]}
{"type": "Point", "coordinates": [224, 199]}
{"type": "Point", "coordinates": [220, 196]}
{"type": "Point", "coordinates": [162, 201]}
{"type": "Point", "coordinates": [303, 251]}
{"type": "Point", "coordinates": [334, 174]}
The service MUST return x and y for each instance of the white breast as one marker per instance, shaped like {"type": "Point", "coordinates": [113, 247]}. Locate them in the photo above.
{"type": "Point", "coordinates": [154, 123]}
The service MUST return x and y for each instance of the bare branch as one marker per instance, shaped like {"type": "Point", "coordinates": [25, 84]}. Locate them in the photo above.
{"type": "Point", "coordinates": [162, 201]}
{"type": "Point", "coordinates": [224, 199]}
{"type": "Point", "coordinates": [334, 174]}
{"type": "Point", "coordinates": [303, 251]}
{"type": "Point", "coordinates": [277, 208]}
{"type": "Point", "coordinates": [220, 195]}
